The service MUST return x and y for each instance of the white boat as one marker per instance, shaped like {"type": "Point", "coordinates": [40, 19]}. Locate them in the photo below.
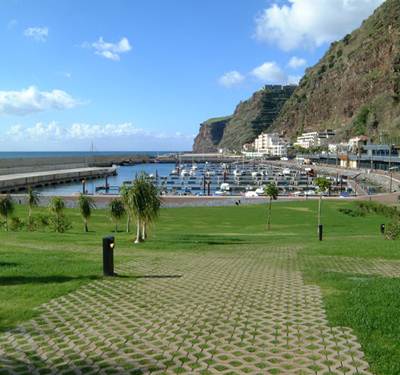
{"type": "Point", "coordinates": [222, 192]}
{"type": "Point", "coordinates": [184, 173]}
{"type": "Point", "coordinates": [192, 173]}
{"type": "Point", "coordinates": [250, 194]}
{"type": "Point", "coordinates": [225, 187]}
{"type": "Point", "coordinates": [210, 173]}
{"type": "Point", "coordinates": [174, 172]}
{"type": "Point", "coordinates": [260, 190]}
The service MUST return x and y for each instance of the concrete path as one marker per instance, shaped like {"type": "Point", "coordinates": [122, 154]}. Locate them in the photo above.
{"type": "Point", "coordinates": [228, 312]}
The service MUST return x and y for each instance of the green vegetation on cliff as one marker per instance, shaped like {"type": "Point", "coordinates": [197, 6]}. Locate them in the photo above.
{"type": "Point", "coordinates": [355, 87]}
{"type": "Point", "coordinates": [251, 117]}
{"type": "Point", "coordinates": [210, 134]}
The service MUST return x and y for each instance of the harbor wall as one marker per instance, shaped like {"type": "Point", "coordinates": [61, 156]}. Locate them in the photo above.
{"type": "Point", "coordinates": [19, 182]}
{"type": "Point", "coordinates": [29, 165]}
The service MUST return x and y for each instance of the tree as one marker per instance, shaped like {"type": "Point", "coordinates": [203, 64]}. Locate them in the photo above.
{"type": "Point", "coordinates": [85, 204]}
{"type": "Point", "coordinates": [144, 204]}
{"type": "Point", "coordinates": [32, 199]}
{"type": "Point", "coordinates": [116, 210]}
{"type": "Point", "coordinates": [153, 206]}
{"type": "Point", "coordinates": [272, 192]}
{"type": "Point", "coordinates": [124, 194]}
{"type": "Point", "coordinates": [56, 206]}
{"type": "Point", "coordinates": [6, 208]}
{"type": "Point", "coordinates": [322, 184]}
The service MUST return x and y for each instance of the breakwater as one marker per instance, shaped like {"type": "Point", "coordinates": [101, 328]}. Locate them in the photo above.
{"type": "Point", "coordinates": [41, 164]}
{"type": "Point", "coordinates": [16, 174]}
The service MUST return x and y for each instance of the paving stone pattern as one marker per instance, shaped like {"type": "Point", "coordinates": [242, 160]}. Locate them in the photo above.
{"type": "Point", "coordinates": [237, 312]}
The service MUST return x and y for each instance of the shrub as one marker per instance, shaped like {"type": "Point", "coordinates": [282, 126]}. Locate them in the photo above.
{"type": "Point", "coordinates": [16, 224]}
{"type": "Point", "coordinates": [60, 224]}
{"type": "Point", "coordinates": [392, 230]}
{"type": "Point", "coordinates": [38, 222]}
{"type": "Point", "coordinates": [353, 213]}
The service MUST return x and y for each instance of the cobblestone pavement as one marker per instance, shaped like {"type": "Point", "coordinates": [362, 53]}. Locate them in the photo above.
{"type": "Point", "coordinates": [227, 312]}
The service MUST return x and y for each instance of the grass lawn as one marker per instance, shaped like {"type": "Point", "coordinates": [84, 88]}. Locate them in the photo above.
{"type": "Point", "coordinates": [353, 265]}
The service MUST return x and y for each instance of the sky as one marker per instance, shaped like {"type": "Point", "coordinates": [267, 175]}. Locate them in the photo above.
{"type": "Point", "coordinates": [142, 75]}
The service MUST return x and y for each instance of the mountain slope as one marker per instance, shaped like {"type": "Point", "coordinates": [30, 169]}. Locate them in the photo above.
{"type": "Point", "coordinates": [355, 87]}
{"type": "Point", "coordinates": [250, 118]}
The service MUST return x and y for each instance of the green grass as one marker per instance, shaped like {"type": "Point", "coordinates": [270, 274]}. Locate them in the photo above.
{"type": "Point", "coordinates": [36, 267]}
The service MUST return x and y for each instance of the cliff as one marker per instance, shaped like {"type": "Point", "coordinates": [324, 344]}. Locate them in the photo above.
{"type": "Point", "coordinates": [250, 118]}
{"type": "Point", "coordinates": [355, 87]}
{"type": "Point", "coordinates": [210, 134]}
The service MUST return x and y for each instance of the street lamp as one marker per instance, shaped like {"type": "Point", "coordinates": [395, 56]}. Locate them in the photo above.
{"type": "Point", "coordinates": [391, 178]}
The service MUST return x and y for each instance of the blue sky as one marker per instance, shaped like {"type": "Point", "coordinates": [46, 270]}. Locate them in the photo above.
{"type": "Point", "coordinates": [132, 75]}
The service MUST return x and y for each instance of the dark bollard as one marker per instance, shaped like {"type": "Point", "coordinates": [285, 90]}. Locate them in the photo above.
{"type": "Point", "coordinates": [320, 232]}
{"type": "Point", "coordinates": [108, 256]}
{"type": "Point", "coordinates": [382, 228]}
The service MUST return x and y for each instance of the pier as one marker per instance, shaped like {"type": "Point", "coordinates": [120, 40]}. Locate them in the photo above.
{"type": "Point", "coordinates": [12, 183]}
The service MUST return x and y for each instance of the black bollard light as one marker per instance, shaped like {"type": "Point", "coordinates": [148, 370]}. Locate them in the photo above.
{"type": "Point", "coordinates": [108, 256]}
{"type": "Point", "coordinates": [320, 231]}
{"type": "Point", "coordinates": [382, 228]}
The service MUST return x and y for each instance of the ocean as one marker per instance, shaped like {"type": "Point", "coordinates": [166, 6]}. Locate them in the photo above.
{"type": "Point", "coordinates": [44, 154]}
{"type": "Point", "coordinates": [124, 172]}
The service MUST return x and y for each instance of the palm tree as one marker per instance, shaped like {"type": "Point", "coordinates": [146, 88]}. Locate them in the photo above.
{"type": "Point", "coordinates": [85, 204]}
{"type": "Point", "coordinates": [323, 185]}
{"type": "Point", "coordinates": [116, 211]}
{"type": "Point", "coordinates": [272, 192]}
{"type": "Point", "coordinates": [144, 203]}
{"type": "Point", "coordinates": [6, 208]}
{"type": "Point", "coordinates": [124, 193]}
{"type": "Point", "coordinates": [32, 199]}
{"type": "Point", "coordinates": [153, 206]}
{"type": "Point", "coordinates": [56, 206]}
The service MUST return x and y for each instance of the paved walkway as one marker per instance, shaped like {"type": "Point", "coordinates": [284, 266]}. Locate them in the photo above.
{"type": "Point", "coordinates": [232, 312]}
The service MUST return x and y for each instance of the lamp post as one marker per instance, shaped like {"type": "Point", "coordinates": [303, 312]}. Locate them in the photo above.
{"type": "Point", "coordinates": [391, 178]}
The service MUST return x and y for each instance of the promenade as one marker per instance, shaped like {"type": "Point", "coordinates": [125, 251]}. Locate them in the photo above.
{"type": "Point", "coordinates": [246, 311]}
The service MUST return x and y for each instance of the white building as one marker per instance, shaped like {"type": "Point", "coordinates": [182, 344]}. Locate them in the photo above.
{"type": "Point", "coordinates": [314, 139]}
{"type": "Point", "coordinates": [272, 144]}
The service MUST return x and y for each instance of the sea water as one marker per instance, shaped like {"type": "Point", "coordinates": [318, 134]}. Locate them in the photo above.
{"type": "Point", "coordinates": [124, 173]}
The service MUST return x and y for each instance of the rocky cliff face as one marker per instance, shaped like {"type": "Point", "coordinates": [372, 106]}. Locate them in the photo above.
{"type": "Point", "coordinates": [250, 118]}
{"type": "Point", "coordinates": [210, 134]}
{"type": "Point", "coordinates": [355, 87]}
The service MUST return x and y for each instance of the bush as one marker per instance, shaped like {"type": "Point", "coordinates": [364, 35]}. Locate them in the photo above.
{"type": "Point", "coordinates": [38, 222]}
{"type": "Point", "coordinates": [16, 224]}
{"type": "Point", "coordinates": [353, 213]}
{"type": "Point", "coordinates": [60, 224]}
{"type": "Point", "coordinates": [392, 230]}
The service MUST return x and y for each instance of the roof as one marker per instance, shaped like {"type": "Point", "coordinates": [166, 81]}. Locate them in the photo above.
{"type": "Point", "coordinates": [359, 138]}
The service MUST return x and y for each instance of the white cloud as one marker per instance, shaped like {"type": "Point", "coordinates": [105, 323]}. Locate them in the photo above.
{"type": "Point", "coordinates": [26, 102]}
{"type": "Point", "coordinates": [37, 33]}
{"type": "Point", "coordinates": [109, 50]}
{"type": "Point", "coordinates": [77, 132]}
{"type": "Point", "coordinates": [270, 72]}
{"type": "Point", "coordinates": [296, 62]}
{"type": "Point", "coordinates": [311, 23]}
{"type": "Point", "coordinates": [11, 24]}
{"type": "Point", "coordinates": [231, 79]}
{"type": "Point", "coordinates": [294, 79]}
{"type": "Point", "coordinates": [65, 74]}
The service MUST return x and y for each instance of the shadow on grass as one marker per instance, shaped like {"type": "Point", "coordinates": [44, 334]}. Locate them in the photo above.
{"type": "Point", "coordinates": [207, 240]}
{"type": "Point", "coordinates": [19, 280]}
{"type": "Point", "coordinates": [7, 264]}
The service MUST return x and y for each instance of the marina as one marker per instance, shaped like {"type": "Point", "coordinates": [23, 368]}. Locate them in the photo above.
{"type": "Point", "coordinates": [205, 179]}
